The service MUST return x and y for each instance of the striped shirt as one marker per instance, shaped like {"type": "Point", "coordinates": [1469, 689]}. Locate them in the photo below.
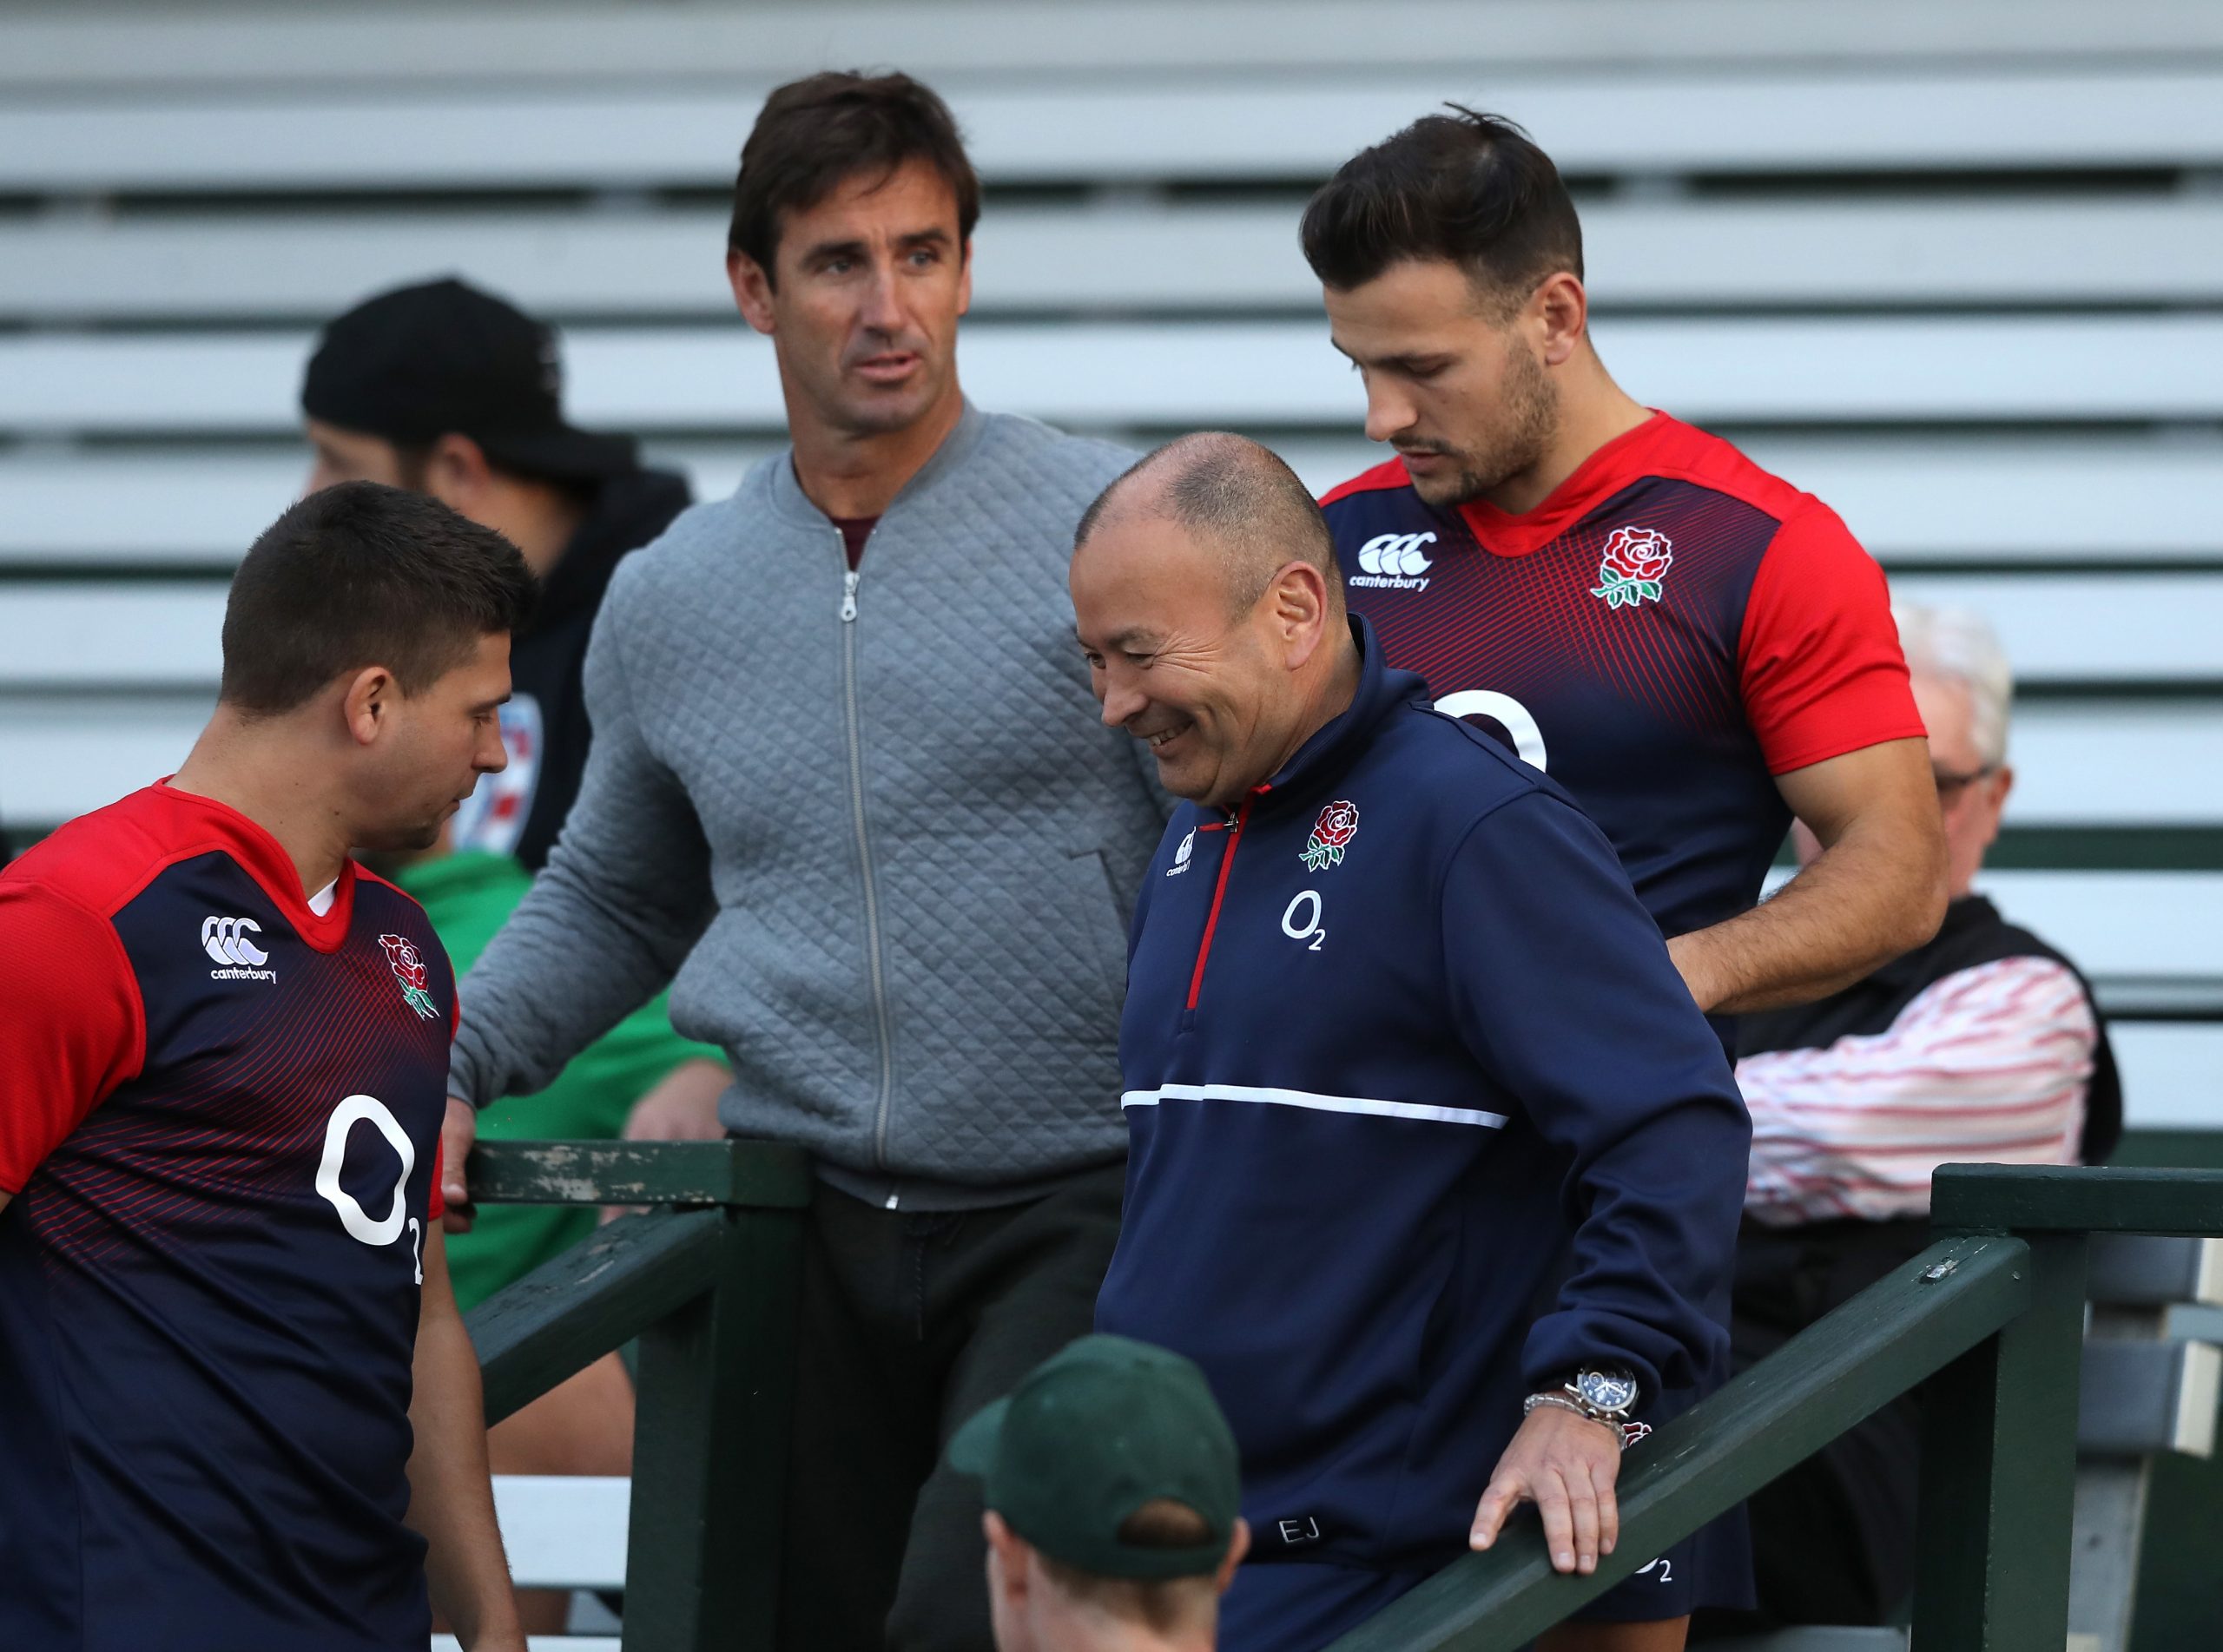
{"type": "Point", "coordinates": [1989, 1064]}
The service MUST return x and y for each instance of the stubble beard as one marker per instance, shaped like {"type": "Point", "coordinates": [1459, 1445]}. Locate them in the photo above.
{"type": "Point", "coordinates": [1531, 417]}
{"type": "Point", "coordinates": [863, 413]}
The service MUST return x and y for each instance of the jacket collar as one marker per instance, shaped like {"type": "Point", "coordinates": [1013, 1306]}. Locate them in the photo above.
{"type": "Point", "coordinates": [791, 502]}
{"type": "Point", "coordinates": [1325, 759]}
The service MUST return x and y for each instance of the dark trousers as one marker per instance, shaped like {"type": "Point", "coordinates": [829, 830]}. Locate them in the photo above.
{"type": "Point", "coordinates": [1832, 1539]}
{"type": "Point", "coordinates": [911, 1322]}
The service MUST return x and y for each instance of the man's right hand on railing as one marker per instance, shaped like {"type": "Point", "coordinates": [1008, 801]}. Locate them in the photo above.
{"type": "Point", "coordinates": [458, 1132]}
{"type": "Point", "coordinates": [1566, 1464]}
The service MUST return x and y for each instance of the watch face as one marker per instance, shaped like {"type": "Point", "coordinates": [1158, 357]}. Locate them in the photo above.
{"type": "Point", "coordinates": [1606, 1390]}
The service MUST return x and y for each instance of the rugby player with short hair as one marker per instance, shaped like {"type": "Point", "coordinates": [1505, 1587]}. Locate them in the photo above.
{"type": "Point", "coordinates": [241, 1410]}
{"type": "Point", "coordinates": [1694, 649]}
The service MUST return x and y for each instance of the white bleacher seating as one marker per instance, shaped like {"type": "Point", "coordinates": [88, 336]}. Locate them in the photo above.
{"type": "Point", "coordinates": [1834, 369]}
{"type": "Point", "coordinates": [1957, 270]}
{"type": "Point", "coordinates": [1182, 255]}
{"type": "Point", "coordinates": [563, 1532]}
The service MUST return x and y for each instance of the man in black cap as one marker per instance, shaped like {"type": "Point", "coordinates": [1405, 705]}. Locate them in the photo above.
{"type": "Point", "coordinates": [1112, 1485]}
{"type": "Point", "coordinates": [448, 391]}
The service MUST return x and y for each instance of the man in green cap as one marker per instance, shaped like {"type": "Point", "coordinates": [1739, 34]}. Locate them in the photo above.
{"type": "Point", "coordinates": [1113, 1494]}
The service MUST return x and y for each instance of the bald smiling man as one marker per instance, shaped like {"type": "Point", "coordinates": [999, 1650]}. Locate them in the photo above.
{"type": "Point", "coordinates": [1434, 1164]}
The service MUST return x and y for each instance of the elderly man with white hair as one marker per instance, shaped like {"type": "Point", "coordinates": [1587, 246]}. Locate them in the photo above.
{"type": "Point", "coordinates": [1984, 1046]}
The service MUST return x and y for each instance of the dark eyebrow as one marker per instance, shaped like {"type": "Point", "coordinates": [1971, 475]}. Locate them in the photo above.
{"type": "Point", "coordinates": [834, 249]}
{"type": "Point", "coordinates": [936, 236]}
{"type": "Point", "coordinates": [1395, 364]}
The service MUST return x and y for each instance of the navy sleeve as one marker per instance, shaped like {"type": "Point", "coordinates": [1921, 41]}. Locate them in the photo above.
{"type": "Point", "coordinates": [1561, 987]}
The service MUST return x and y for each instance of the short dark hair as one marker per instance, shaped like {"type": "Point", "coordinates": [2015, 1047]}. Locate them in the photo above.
{"type": "Point", "coordinates": [360, 573]}
{"type": "Point", "coordinates": [1465, 186]}
{"type": "Point", "coordinates": [813, 133]}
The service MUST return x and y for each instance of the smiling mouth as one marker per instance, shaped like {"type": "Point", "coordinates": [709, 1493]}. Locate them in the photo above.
{"type": "Point", "coordinates": [1166, 736]}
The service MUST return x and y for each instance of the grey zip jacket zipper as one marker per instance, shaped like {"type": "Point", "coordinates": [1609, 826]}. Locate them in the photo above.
{"type": "Point", "coordinates": [885, 862]}
{"type": "Point", "coordinates": [851, 579]}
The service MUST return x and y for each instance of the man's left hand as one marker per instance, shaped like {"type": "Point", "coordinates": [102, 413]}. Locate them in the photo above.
{"type": "Point", "coordinates": [458, 1134]}
{"type": "Point", "coordinates": [1566, 1464]}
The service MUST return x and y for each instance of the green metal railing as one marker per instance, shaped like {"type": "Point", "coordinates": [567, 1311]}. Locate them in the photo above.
{"type": "Point", "coordinates": [1991, 1317]}
{"type": "Point", "coordinates": [706, 1280]}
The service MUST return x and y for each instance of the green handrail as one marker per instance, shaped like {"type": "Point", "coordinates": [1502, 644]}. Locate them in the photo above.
{"type": "Point", "coordinates": [1992, 1315]}
{"type": "Point", "coordinates": [707, 1282]}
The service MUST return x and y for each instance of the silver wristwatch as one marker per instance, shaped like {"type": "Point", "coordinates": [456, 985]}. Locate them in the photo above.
{"type": "Point", "coordinates": [1604, 1394]}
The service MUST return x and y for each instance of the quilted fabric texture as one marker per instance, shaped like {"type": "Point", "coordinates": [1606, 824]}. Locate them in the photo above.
{"type": "Point", "coordinates": [729, 837]}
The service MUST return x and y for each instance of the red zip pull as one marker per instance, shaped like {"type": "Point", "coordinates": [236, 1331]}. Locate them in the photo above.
{"type": "Point", "coordinates": [1219, 891]}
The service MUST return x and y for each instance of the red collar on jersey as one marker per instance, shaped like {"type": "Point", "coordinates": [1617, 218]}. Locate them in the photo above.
{"type": "Point", "coordinates": [263, 859]}
{"type": "Point", "coordinates": [1605, 473]}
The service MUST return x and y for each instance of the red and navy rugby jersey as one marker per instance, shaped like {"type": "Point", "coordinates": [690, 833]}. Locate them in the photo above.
{"type": "Point", "coordinates": [1666, 633]}
{"type": "Point", "coordinates": [219, 1122]}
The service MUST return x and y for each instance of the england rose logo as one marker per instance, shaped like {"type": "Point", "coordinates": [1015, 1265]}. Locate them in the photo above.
{"type": "Point", "coordinates": [408, 965]}
{"type": "Point", "coordinates": [1636, 560]}
{"type": "Point", "coordinates": [1337, 825]}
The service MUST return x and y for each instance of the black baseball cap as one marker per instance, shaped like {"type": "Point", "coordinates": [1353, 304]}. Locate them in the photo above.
{"type": "Point", "coordinates": [413, 364]}
{"type": "Point", "coordinates": [1092, 1434]}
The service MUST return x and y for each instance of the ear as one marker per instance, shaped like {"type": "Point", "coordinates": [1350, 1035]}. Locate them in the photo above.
{"type": "Point", "coordinates": [1298, 602]}
{"type": "Point", "coordinates": [965, 281]}
{"type": "Point", "coordinates": [752, 289]}
{"type": "Point", "coordinates": [366, 703]}
{"type": "Point", "coordinates": [1237, 1546]}
{"type": "Point", "coordinates": [1562, 313]}
{"type": "Point", "coordinates": [1006, 1558]}
{"type": "Point", "coordinates": [456, 473]}
{"type": "Point", "coordinates": [2002, 783]}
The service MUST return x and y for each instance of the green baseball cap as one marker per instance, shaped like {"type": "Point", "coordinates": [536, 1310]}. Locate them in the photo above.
{"type": "Point", "coordinates": [1092, 1434]}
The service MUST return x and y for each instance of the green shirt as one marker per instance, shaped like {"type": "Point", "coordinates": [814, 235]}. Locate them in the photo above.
{"type": "Point", "coordinates": [467, 896]}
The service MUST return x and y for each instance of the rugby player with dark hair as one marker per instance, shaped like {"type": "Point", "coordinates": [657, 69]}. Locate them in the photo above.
{"type": "Point", "coordinates": [241, 1410]}
{"type": "Point", "coordinates": [1693, 648]}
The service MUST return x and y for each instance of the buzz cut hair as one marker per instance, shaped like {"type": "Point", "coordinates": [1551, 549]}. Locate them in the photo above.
{"type": "Point", "coordinates": [1466, 187]}
{"type": "Point", "coordinates": [1239, 495]}
{"type": "Point", "coordinates": [1164, 1606]}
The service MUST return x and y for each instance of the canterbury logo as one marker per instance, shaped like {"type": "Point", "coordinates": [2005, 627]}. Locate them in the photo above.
{"type": "Point", "coordinates": [1393, 561]}
{"type": "Point", "coordinates": [224, 939]}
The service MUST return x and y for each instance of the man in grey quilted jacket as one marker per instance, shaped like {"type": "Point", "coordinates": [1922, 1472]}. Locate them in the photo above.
{"type": "Point", "coordinates": [850, 794]}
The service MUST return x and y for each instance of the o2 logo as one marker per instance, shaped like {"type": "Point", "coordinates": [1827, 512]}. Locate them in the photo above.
{"type": "Point", "coordinates": [358, 1222]}
{"type": "Point", "coordinates": [1506, 712]}
{"type": "Point", "coordinates": [1301, 919]}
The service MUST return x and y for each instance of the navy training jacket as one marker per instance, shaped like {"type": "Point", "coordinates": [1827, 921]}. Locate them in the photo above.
{"type": "Point", "coordinates": [1421, 1117]}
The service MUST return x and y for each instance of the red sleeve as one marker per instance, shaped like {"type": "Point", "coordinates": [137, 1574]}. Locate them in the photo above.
{"type": "Point", "coordinates": [436, 1207]}
{"type": "Point", "coordinates": [76, 1028]}
{"type": "Point", "coordinates": [1821, 670]}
